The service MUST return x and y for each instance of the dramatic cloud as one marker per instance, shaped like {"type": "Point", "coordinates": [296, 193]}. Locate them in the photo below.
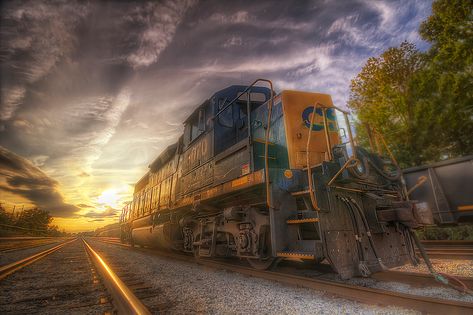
{"type": "Point", "coordinates": [20, 177]}
{"type": "Point", "coordinates": [35, 37]}
{"type": "Point", "coordinates": [160, 21]}
{"type": "Point", "coordinates": [83, 205]}
{"type": "Point", "coordinates": [109, 212]}
{"type": "Point", "coordinates": [91, 92]}
{"type": "Point", "coordinates": [95, 216]}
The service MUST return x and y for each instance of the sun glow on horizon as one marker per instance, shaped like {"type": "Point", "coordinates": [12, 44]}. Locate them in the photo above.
{"type": "Point", "coordinates": [113, 197]}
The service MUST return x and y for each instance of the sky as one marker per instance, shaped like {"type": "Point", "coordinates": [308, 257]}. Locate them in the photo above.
{"type": "Point", "coordinates": [93, 91]}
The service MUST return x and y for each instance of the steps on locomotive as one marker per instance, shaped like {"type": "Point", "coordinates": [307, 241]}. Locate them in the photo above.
{"type": "Point", "coordinates": [294, 254]}
{"type": "Point", "coordinates": [302, 249]}
{"type": "Point", "coordinates": [306, 216]}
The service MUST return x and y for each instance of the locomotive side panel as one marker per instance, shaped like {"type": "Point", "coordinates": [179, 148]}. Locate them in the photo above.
{"type": "Point", "coordinates": [232, 163]}
{"type": "Point", "coordinates": [197, 169]}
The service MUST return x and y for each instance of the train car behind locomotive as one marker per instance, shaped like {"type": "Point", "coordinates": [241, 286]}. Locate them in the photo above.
{"type": "Point", "coordinates": [446, 187]}
{"type": "Point", "coordinates": [267, 177]}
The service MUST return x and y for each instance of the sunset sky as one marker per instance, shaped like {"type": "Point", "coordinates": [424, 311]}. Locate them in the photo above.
{"type": "Point", "coordinates": [91, 92]}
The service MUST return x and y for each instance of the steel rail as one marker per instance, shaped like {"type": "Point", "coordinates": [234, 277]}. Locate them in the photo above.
{"type": "Point", "coordinates": [446, 242]}
{"type": "Point", "coordinates": [123, 298]}
{"type": "Point", "coordinates": [10, 246]}
{"type": "Point", "coordinates": [446, 249]}
{"type": "Point", "coordinates": [26, 246]}
{"type": "Point", "coordinates": [15, 266]}
{"type": "Point", "coordinates": [22, 238]}
{"type": "Point", "coordinates": [450, 254]}
{"type": "Point", "coordinates": [352, 292]}
{"type": "Point", "coordinates": [416, 278]}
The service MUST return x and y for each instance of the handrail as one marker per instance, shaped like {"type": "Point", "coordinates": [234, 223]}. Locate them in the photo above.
{"type": "Point", "coordinates": [391, 155]}
{"type": "Point", "coordinates": [350, 135]}
{"type": "Point", "coordinates": [327, 136]}
{"type": "Point", "coordinates": [313, 199]}
{"type": "Point", "coordinates": [329, 147]}
{"type": "Point", "coordinates": [243, 92]}
{"type": "Point", "coordinates": [266, 144]}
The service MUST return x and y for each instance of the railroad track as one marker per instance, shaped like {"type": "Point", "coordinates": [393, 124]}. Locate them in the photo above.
{"type": "Point", "coordinates": [353, 292]}
{"type": "Point", "coordinates": [449, 249]}
{"type": "Point", "coordinates": [10, 244]}
{"type": "Point", "coordinates": [64, 279]}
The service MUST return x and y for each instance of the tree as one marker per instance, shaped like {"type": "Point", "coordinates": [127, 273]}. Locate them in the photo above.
{"type": "Point", "coordinates": [381, 96]}
{"type": "Point", "coordinates": [444, 87]}
{"type": "Point", "coordinates": [34, 219]}
{"type": "Point", "coordinates": [423, 102]}
{"type": "Point", "coordinates": [5, 218]}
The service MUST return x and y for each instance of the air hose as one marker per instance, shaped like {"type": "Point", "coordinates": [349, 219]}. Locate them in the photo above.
{"type": "Point", "coordinates": [440, 277]}
{"type": "Point", "coordinates": [368, 232]}
{"type": "Point", "coordinates": [362, 265]}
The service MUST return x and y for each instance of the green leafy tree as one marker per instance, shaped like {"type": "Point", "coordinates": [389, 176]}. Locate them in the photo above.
{"type": "Point", "coordinates": [381, 95]}
{"type": "Point", "coordinates": [422, 102]}
{"type": "Point", "coordinates": [444, 87]}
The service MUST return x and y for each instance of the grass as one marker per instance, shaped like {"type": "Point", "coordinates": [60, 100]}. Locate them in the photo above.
{"type": "Point", "coordinates": [454, 233]}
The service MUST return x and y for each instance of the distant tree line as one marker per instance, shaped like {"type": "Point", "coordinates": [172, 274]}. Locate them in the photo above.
{"type": "Point", "coordinates": [422, 102]}
{"type": "Point", "coordinates": [28, 222]}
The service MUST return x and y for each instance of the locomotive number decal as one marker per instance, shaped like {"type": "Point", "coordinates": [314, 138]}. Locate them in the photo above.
{"type": "Point", "coordinates": [319, 118]}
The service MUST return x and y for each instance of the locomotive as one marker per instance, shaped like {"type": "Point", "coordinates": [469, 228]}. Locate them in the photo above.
{"type": "Point", "coordinates": [264, 177]}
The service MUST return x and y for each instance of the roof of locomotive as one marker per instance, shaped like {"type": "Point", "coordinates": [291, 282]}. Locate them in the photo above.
{"type": "Point", "coordinates": [229, 93]}
{"type": "Point", "coordinates": [162, 158]}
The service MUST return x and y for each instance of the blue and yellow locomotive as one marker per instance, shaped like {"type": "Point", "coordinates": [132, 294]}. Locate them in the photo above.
{"type": "Point", "coordinates": [266, 177]}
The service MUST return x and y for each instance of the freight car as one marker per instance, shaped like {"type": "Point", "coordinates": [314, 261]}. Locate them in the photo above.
{"type": "Point", "coordinates": [266, 177]}
{"type": "Point", "coordinates": [447, 188]}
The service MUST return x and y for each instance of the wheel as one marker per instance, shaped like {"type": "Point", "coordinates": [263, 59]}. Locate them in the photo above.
{"type": "Point", "coordinates": [196, 248]}
{"type": "Point", "coordinates": [266, 261]}
{"type": "Point", "coordinates": [261, 264]}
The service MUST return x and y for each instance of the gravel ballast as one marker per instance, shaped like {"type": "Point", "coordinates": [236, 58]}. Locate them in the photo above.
{"type": "Point", "coordinates": [454, 267]}
{"type": "Point", "coordinates": [186, 287]}
{"type": "Point", "coordinates": [60, 283]}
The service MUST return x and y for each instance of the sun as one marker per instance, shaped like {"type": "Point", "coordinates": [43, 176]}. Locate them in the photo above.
{"type": "Point", "coordinates": [109, 197]}
{"type": "Point", "coordinates": [114, 197]}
